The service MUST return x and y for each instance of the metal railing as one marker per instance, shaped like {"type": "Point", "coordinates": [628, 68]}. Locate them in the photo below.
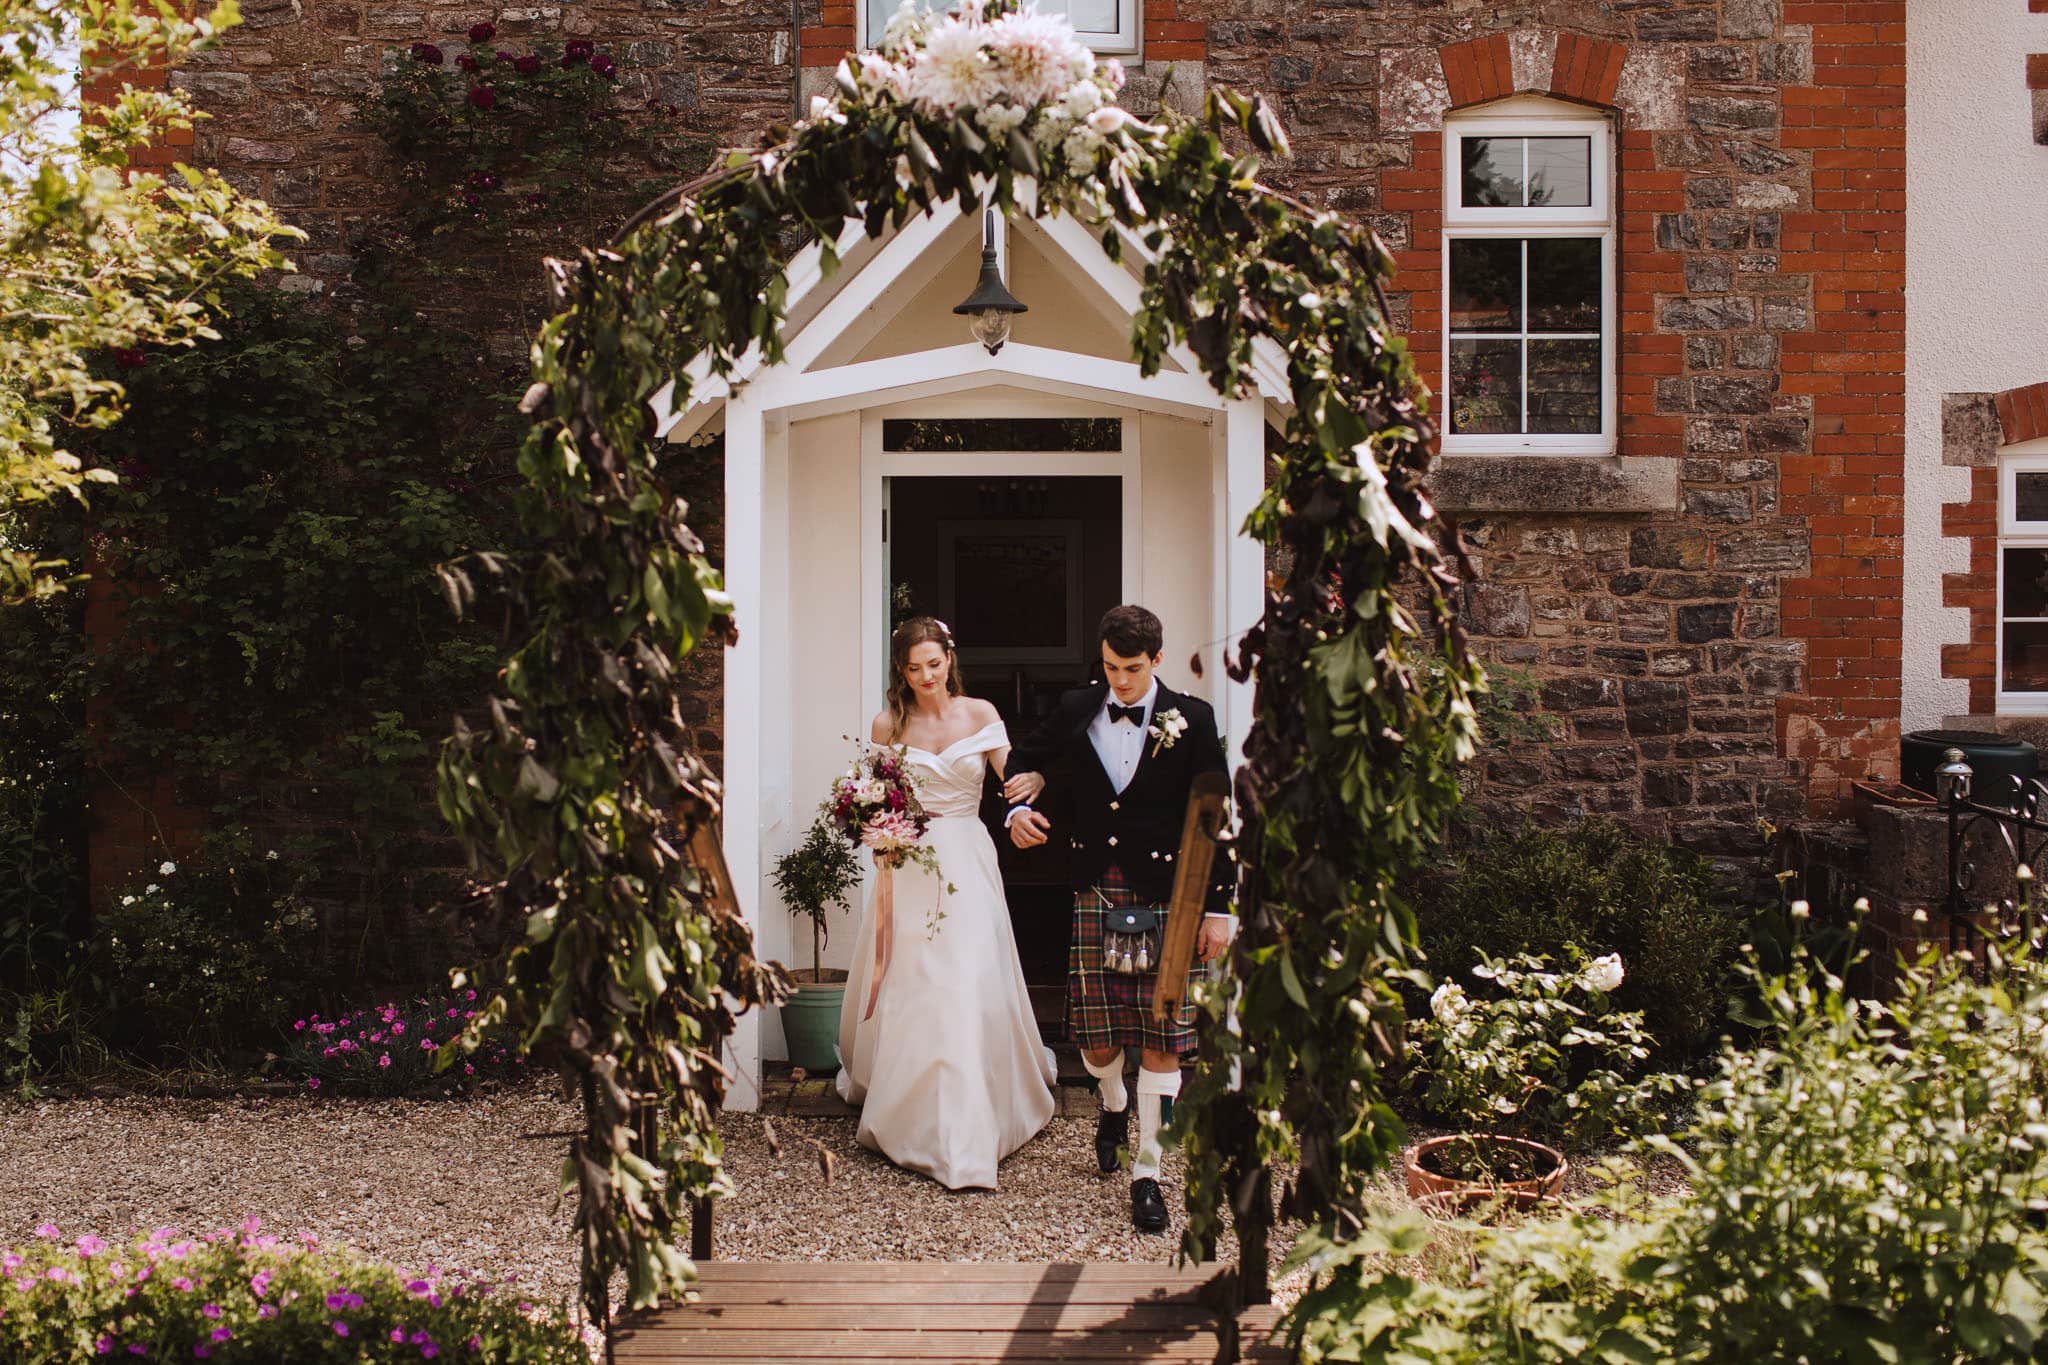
{"type": "Point", "coordinates": [2010, 824]}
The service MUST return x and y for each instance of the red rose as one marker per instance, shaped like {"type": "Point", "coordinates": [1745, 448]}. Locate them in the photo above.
{"type": "Point", "coordinates": [466, 62]}
{"type": "Point", "coordinates": [527, 65]}
{"type": "Point", "coordinates": [482, 96]}
{"type": "Point", "coordinates": [603, 65]}
{"type": "Point", "coordinates": [895, 800]}
{"type": "Point", "coordinates": [579, 48]}
{"type": "Point", "coordinates": [428, 53]}
{"type": "Point", "coordinates": [482, 33]}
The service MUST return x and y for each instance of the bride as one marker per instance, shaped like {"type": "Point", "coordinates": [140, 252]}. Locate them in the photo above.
{"type": "Point", "coordinates": [946, 1064]}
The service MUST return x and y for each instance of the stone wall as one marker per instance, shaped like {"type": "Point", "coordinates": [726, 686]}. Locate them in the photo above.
{"type": "Point", "coordinates": [1712, 616]}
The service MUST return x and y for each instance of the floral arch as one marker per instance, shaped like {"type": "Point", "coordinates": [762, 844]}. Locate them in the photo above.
{"type": "Point", "coordinates": [580, 796]}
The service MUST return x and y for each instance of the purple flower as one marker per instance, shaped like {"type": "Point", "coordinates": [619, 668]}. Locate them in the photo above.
{"type": "Point", "coordinates": [429, 1349]}
{"type": "Point", "coordinates": [211, 1310]}
{"type": "Point", "coordinates": [340, 1328]}
{"type": "Point", "coordinates": [104, 1346]}
{"type": "Point", "coordinates": [482, 32]}
{"type": "Point", "coordinates": [223, 1333]}
{"type": "Point", "coordinates": [483, 97]}
{"type": "Point", "coordinates": [427, 53]}
{"type": "Point", "coordinates": [603, 65]}
{"type": "Point", "coordinates": [313, 1083]}
{"type": "Point", "coordinates": [259, 1283]}
{"type": "Point", "coordinates": [398, 1027]}
{"type": "Point", "coordinates": [384, 1059]}
{"type": "Point", "coordinates": [203, 1352]}
{"type": "Point", "coordinates": [426, 1044]}
{"type": "Point", "coordinates": [417, 1287]}
{"type": "Point", "coordinates": [503, 55]}
{"type": "Point", "coordinates": [90, 1245]}
{"type": "Point", "coordinates": [267, 1310]}
{"type": "Point", "coordinates": [181, 1283]}
{"type": "Point", "coordinates": [57, 1273]}
{"type": "Point", "coordinates": [46, 1230]}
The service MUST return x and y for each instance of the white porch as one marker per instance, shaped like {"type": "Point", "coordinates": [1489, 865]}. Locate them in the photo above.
{"type": "Point", "coordinates": [807, 490]}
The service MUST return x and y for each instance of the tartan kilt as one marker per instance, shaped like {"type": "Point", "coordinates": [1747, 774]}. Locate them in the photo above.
{"type": "Point", "coordinates": [1111, 1009]}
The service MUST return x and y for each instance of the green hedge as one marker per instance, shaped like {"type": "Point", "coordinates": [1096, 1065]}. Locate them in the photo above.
{"type": "Point", "coordinates": [1596, 887]}
{"type": "Point", "coordinates": [245, 1296]}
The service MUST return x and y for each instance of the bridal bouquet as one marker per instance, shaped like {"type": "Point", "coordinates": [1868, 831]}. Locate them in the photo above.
{"type": "Point", "coordinates": [875, 804]}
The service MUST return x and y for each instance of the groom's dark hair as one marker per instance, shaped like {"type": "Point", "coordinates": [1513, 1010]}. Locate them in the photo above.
{"type": "Point", "coordinates": [1130, 630]}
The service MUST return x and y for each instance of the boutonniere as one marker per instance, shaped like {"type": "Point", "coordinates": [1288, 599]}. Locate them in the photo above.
{"type": "Point", "coordinates": [1166, 729]}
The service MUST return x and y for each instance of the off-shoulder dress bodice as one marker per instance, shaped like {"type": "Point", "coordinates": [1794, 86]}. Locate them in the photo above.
{"type": "Point", "coordinates": [952, 778]}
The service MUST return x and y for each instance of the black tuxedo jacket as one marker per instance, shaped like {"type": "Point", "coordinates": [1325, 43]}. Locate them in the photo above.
{"type": "Point", "coordinates": [1138, 829]}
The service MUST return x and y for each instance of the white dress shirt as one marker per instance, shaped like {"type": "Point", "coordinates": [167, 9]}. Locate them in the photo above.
{"type": "Point", "coordinates": [1119, 744]}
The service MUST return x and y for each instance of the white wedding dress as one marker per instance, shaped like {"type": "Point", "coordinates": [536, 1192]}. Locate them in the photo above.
{"type": "Point", "coordinates": [948, 1071]}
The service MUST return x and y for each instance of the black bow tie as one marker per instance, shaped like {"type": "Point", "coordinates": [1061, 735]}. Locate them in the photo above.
{"type": "Point", "coordinates": [1134, 714]}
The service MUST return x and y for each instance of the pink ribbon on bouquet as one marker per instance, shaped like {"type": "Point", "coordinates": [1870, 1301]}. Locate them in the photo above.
{"type": "Point", "coordinates": [885, 933]}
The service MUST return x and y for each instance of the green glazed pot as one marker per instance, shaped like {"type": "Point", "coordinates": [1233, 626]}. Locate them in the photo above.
{"type": "Point", "coordinates": [810, 1024]}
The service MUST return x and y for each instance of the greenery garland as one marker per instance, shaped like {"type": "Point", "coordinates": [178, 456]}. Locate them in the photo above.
{"type": "Point", "coordinates": [630, 973]}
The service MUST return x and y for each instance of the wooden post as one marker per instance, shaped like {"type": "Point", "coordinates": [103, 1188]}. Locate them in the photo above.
{"type": "Point", "coordinates": [707, 854]}
{"type": "Point", "coordinates": [1190, 891]}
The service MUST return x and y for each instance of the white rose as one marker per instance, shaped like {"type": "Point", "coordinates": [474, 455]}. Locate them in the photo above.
{"type": "Point", "coordinates": [1107, 120]}
{"type": "Point", "coordinates": [1604, 974]}
{"type": "Point", "coordinates": [167, 869]}
{"type": "Point", "coordinates": [1448, 1002]}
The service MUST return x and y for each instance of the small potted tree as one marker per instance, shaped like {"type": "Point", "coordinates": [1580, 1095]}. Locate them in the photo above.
{"type": "Point", "coordinates": [1543, 1055]}
{"type": "Point", "coordinates": [813, 878]}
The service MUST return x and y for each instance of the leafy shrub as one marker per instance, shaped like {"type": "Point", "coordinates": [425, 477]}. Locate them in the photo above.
{"type": "Point", "coordinates": [1869, 1187]}
{"type": "Point", "coordinates": [1540, 1055]}
{"type": "Point", "coordinates": [246, 1296]}
{"type": "Point", "coordinates": [207, 956]}
{"type": "Point", "coordinates": [1594, 886]}
{"type": "Point", "coordinates": [392, 1049]}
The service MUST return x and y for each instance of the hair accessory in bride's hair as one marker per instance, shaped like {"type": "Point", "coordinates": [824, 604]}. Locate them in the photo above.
{"type": "Point", "coordinates": [944, 629]}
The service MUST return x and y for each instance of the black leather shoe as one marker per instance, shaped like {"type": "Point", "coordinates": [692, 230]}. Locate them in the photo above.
{"type": "Point", "coordinates": [1148, 1205]}
{"type": "Point", "coordinates": [1112, 1135]}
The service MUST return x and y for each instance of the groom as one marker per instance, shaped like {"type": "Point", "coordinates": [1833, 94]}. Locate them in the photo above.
{"type": "Point", "coordinates": [1117, 760]}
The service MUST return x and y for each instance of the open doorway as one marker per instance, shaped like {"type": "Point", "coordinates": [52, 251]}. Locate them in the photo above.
{"type": "Point", "coordinates": [1021, 567]}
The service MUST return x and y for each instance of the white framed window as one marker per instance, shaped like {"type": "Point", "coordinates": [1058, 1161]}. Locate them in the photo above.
{"type": "Point", "coordinates": [1108, 27]}
{"type": "Point", "coordinates": [1528, 281]}
{"type": "Point", "coordinates": [2023, 582]}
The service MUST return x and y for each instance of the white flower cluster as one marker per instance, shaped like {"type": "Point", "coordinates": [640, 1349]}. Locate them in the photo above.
{"type": "Point", "coordinates": [1167, 727]}
{"type": "Point", "coordinates": [1018, 70]}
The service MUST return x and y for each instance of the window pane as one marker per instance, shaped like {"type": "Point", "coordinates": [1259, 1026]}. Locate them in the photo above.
{"type": "Point", "coordinates": [2026, 657]}
{"type": "Point", "coordinates": [2026, 582]}
{"type": "Point", "coordinates": [1564, 387]}
{"type": "Point", "coordinates": [1564, 284]}
{"type": "Point", "coordinates": [1486, 284]}
{"type": "Point", "coordinates": [1560, 172]}
{"type": "Point", "coordinates": [1492, 172]}
{"type": "Point", "coordinates": [1486, 387]}
{"type": "Point", "coordinates": [2030, 496]}
{"type": "Point", "coordinates": [1087, 16]}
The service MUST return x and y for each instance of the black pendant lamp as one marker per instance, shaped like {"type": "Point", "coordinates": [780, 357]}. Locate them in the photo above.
{"type": "Point", "coordinates": [990, 305]}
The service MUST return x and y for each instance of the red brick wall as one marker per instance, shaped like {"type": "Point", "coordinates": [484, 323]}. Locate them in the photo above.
{"type": "Point", "coordinates": [1851, 364]}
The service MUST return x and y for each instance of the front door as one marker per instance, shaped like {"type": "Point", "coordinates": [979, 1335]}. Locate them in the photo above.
{"type": "Point", "coordinates": [1021, 568]}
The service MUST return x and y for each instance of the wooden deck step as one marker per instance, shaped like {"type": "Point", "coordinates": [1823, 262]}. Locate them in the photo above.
{"type": "Point", "coordinates": [1020, 1314]}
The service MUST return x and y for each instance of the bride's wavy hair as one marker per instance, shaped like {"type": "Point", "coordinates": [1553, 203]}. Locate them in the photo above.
{"type": "Point", "coordinates": [916, 631]}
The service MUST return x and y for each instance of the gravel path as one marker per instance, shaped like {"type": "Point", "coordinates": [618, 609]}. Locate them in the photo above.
{"type": "Point", "coordinates": [471, 1184]}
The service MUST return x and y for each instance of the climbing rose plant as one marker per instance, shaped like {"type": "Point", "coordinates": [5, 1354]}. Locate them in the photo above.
{"type": "Point", "coordinates": [631, 967]}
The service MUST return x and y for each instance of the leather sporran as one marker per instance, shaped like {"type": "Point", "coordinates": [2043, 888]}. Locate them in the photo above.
{"type": "Point", "coordinates": [1130, 939]}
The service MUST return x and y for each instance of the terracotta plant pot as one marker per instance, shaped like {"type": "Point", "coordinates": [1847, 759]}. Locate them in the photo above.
{"type": "Point", "coordinates": [1448, 1190]}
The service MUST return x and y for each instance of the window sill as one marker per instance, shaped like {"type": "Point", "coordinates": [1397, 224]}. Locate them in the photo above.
{"type": "Point", "coordinates": [1554, 483]}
